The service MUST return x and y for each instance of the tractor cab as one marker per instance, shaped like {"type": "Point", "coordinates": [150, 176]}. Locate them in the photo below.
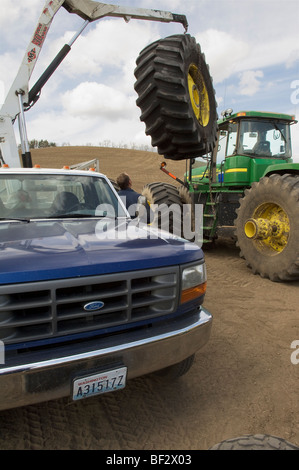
{"type": "Point", "coordinates": [253, 134]}
{"type": "Point", "coordinates": [248, 143]}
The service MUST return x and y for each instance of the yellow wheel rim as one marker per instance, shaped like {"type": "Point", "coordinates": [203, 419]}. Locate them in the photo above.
{"type": "Point", "coordinates": [269, 228]}
{"type": "Point", "coordinates": [199, 96]}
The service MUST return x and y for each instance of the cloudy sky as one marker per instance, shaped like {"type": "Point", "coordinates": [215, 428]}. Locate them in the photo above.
{"type": "Point", "coordinates": [251, 46]}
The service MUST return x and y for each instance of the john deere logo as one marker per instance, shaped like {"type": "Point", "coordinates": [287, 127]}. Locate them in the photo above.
{"type": "Point", "coordinates": [93, 306]}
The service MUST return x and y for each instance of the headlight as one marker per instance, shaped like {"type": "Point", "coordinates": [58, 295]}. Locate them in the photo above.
{"type": "Point", "coordinates": [194, 282]}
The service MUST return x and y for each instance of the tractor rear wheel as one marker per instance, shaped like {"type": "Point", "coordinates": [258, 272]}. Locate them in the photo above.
{"type": "Point", "coordinates": [176, 97]}
{"type": "Point", "coordinates": [166, 206]}
{"type": "Point", "coordinates": [267, 227]}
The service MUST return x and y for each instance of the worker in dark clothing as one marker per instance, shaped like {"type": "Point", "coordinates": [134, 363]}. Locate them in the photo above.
{"type": "Point", "coordinates": [129, 196]}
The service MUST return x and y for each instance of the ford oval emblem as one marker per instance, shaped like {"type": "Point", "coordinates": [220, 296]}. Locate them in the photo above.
{"type": "Point", "coordinates": [92, 306]}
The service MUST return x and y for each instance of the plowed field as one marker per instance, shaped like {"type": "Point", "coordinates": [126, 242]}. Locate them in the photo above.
{"type": "Point", "coordinates": [242, 382]}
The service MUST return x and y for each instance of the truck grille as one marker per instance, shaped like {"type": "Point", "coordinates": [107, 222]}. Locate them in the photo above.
{"type": "Point", "coordinates": [49, 309]}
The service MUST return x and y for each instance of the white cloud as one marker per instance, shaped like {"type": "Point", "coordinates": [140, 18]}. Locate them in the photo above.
{"type": "Point", "coordinates": [90, 99]}
{"type": "Point", "coordinates": [8, 72]}
{"type": "Point", "coordinates": [18, 14]}
{"type": "Point", "coordinates": [223, 52]}
{"type": "Point", "coordinates": [278, 51]}
{"type": "Point", "coordinates": [81, 130]}
{"type": "Point", "coordinates": [292, 58]}
{"type": "Point", "coordinates": [227, 54]}
{"type": "Point", "coordinates": [59, 128]}
{"type": "Point", "coordinates": [249, 83]}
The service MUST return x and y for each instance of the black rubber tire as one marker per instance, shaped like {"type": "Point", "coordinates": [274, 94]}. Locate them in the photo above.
{"type": "Point", "coordinates": [177, 370]}
{"type": "Point", "coordinates": [255, 442]}
{"type": "Point", "coordinates": [164, 99]}
{"type": "Point", "coordinates": [283, 191]}
{"type": "Point", "coordinates": [164, 195]}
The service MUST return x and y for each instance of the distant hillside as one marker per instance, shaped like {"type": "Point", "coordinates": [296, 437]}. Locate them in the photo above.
{"type": "Point", "coordinates": [142, 166]}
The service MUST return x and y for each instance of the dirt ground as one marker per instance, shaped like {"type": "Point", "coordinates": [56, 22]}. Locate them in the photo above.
{"type": "Point", "coordinates": [242, 382]}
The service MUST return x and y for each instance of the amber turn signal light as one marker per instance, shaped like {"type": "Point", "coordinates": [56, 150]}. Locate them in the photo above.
{"type": "Point", "coordinates": [193, 292]}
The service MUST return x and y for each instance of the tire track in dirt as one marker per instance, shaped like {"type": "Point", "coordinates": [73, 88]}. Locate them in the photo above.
{"type": "Point", "coordinates": [130, 431]}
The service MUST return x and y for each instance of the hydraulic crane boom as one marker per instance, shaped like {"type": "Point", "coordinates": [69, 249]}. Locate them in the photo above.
{"type": "Point", "coordinates": [90, 10]}
{"type": "Point", "coordinates": [20, 99]}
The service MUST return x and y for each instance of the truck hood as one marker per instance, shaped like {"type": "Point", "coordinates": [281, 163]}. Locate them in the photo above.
{"type": "Point", "coordinates": [53, 249]}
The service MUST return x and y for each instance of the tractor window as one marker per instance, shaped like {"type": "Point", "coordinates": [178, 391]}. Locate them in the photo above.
{"type": "Point", "coordinates": [264, 138]}
{"type": "Point", "coordinates": [222, 144]}
{"type": "Point", "coordinates": [227, 141]}
{"type": "Point", "coordinates": [232, 139]}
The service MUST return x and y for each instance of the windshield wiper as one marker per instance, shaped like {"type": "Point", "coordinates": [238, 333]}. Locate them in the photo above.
{"type": "Point", "coordinates": [68, 216]}
{"type": "Point", "coordinates": [280, 131]}
{"type": "Point", "coordinates": [15, 219]}
{"type": "Point", "coordinates": [78, 216]}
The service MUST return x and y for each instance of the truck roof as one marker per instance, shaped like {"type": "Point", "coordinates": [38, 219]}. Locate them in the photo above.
{"type": "Point", "coordinates": [51, 171]}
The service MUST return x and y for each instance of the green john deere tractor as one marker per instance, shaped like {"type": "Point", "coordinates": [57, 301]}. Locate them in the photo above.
{"type": "Point", "coordinates": [251, 185]}
{"type": "Point", "coordinates": [249, 188]}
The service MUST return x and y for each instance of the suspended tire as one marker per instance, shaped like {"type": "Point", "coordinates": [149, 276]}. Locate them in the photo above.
{"type": "Point", "coordinates": [176, 97]}
{"type": "Point", "coordinates": [166, 206]}
{"type": "Point", "coordinates": [267, 227]}
{"type": "Point", "coordinates": [255, 442]}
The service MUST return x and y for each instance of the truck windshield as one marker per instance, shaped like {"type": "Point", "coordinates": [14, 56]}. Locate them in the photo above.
{"type": "Point", "coordinates": [264, 138]}
{"type": "Point", "coordinates": [49, 196]}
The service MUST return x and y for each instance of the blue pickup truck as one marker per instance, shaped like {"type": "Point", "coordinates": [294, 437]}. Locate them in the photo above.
{"type": "Point", "coordinates": [89, 298]}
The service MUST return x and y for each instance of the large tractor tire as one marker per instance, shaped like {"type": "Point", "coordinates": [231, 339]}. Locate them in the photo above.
{"type": "Point", "coordinates": [176, 97]}
{"type": "Point", "coordinates": [255, 442]}
{"type": "Point", "coordinates": [267, 227]}
{"type": "Point", "coordinates": [166, 206]}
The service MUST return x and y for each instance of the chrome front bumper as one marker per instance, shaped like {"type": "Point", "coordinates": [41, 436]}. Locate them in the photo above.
{"type": "Point", "coordinates": [142, 352]}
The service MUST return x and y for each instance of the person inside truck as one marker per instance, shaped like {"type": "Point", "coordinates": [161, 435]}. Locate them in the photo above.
{"type": "Point", "coordinates": [129, 196]}
{"type": "Point", "coordinates": [19, 199]}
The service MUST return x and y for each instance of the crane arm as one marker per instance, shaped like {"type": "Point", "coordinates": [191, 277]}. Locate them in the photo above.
{"type": "Point", "coordinates": [19, 98]}
{"type": "Point", "coordinates": [91, 10]}
{"type": "Point", "coordinates": [88, 10]}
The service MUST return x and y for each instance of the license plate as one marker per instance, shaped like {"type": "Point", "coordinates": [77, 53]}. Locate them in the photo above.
{"type": "Point", "coordinates": [96, 384]}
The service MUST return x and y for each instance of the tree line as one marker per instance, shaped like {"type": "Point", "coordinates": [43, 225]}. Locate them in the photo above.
{"type": "Point", "coordinates": [36, 144]}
